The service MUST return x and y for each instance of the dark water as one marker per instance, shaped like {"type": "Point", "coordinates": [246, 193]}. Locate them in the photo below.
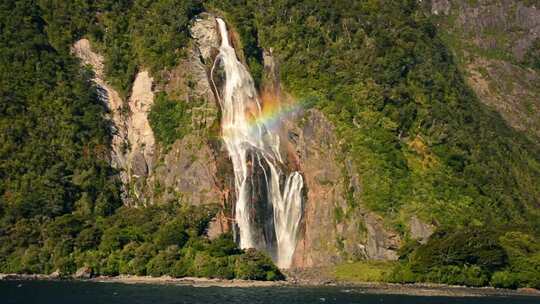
{"type": "Point", "coordinates": [108, 293]}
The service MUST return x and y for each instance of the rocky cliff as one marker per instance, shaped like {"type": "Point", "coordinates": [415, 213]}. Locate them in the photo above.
{"type": "Point", "coordinates": [150, 173]}
{"type": "Point", "coordinates": [133, 141]}
{"type": "Point", "coordinates": [196, 168]}
{"type": "Point", "coordinates": [493, 42]}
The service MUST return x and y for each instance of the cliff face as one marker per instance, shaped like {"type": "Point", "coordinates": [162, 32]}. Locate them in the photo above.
{"type": "Point", "coordinates": [334, 230]}
{"type": "Point", "coordinates": [150, 173]}
{"type": "Point", "coordinates": [197, 169]}
{"type": "Point", "coordinates": [493, 42]}
{"type": "Point", "coordinates": [133, 143]}
{"type": "Point", "coordinates": [336, 226]}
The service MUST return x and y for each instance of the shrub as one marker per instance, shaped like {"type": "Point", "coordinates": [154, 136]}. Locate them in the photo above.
{"type": "Point", "coordinates": [223, 245]}
{"type": "Point", "coordinates": [456, 275]}
{"type": "Point", "coordinates": [170, 120]}
{"type": "Point", "coordinates": [163, 262]}
{"type": "Point", "coordinates": [255, 265]}
{"type": "Point", "coordinates": [111, 264]}
{"type": "Point", "coordinates": [504, 279]}
{"type": "Point", "coordinates": [173, 233]}
{"type": "Point", "coordinates": [402, 273]}
{"type": "Point", "coordinates": [468, 246]}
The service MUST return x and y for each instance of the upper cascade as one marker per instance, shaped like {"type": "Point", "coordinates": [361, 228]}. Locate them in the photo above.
{"type": "Point", "coordinates": [260, 183]}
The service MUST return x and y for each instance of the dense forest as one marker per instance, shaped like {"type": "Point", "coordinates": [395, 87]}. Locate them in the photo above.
{"type": "Point", "coordinates": [420, 138]}
{"type": "Point", "coordinates": [59, 203]}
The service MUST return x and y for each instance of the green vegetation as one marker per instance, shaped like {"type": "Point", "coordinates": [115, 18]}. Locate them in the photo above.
{"type": "Point", "coordinates": [59, 198]}
{"type": "Point", "coordinates": [473, 256]}
{"type": "Point", "coordinates": [368, 271]}
{"type": "Point", "coordinates": [54, 140]}
{"type": "Point", "coordinates": [170, 120]}
{"type": "Point", "coordinates": [421, 141]}
{"type": "Point", "coordinates": [168, 240]}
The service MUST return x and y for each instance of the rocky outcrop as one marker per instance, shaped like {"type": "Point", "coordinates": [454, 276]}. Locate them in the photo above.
{"type": "Point", "coordinates": [141, 140]}
{"type": "Point", "coordinates": [510, 89]}
{"type": "Point", "coordinates": [196, 168]}
{"type": "Point", "coordinates": [334, 229]}
{"type": "Point", "coordinates": [491, 40]}
{"type": "Point", "coordinates": [56, 274]}
{"type": "Point", "coordinates": [83, 273]}
{"type": "Point", "coordinates": [440, 7]}
{"type": "Point", "coordinates": [133, 144]}
{"type": "Point", "coordinates": [112, 100]}
{"type": "Point", "coordinates": [419, 230]}
{"type": "Point", "coordinates": [315, 142]}
{"type": "Point", "coordinates": [205, 33]}
{"type": "Point", "coordinates": [189, 169]}
{"type": "Point", "coordinates": [511, 18]}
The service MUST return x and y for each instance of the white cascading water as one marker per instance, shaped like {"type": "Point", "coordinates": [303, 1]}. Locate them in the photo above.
{"type": "Point", "coordinates": [250, 144]}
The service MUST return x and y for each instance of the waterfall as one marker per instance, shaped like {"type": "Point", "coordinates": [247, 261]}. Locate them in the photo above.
{"type": "Point", "coordinates": [253, 147]}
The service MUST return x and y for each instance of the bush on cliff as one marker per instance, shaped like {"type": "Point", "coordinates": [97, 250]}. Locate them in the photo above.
{"type": "Point", "coordinates": [170, 120]}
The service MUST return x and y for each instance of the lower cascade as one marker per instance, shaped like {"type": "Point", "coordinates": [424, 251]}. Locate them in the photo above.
{"type": "Point", "coordinates": [269, 204]}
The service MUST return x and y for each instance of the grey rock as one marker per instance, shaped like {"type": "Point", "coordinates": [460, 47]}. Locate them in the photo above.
{"type": "Point", "coordinates": [205, 32]}
{"type": "Point", "coordinates": [189, 170]}
{"type": "Point", "coordinates": [381, 244]}
{"type": "Point", "coordinates": [420, 230]}
{"type": "Point", "coordinates": [440, 7]}
{"type": "Point", "coordinates": [326, 239]}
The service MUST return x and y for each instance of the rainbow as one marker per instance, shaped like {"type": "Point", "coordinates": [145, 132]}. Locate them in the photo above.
{"type": "Point", "coordinates": [273, 112]}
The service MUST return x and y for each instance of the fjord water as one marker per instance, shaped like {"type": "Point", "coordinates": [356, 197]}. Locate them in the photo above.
{"type": "Point", "coordinates": [254, 150]}
{"type": "Point", "coordinates": [44, 292]}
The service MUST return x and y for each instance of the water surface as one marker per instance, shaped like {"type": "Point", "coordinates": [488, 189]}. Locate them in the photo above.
{"type": "Point", "coordinates": [45, 292]}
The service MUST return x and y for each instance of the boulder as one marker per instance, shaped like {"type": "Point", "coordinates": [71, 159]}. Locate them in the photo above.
{"type": "Point", "coordinates": [420, 230]}
{"type": "Point", "coordinates": [83, 273]}
{"type": "Point", "coordinates": [55, 274]}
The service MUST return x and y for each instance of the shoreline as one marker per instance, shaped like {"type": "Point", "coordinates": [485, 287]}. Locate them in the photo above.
{"type": "Point", "coordinates": [417, 289]}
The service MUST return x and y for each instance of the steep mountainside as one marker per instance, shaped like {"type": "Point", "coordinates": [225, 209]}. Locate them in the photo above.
{"type": "Point", "coordinates": [414, 126]}
{"type": "Point", "coordinates": [497, 45]}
